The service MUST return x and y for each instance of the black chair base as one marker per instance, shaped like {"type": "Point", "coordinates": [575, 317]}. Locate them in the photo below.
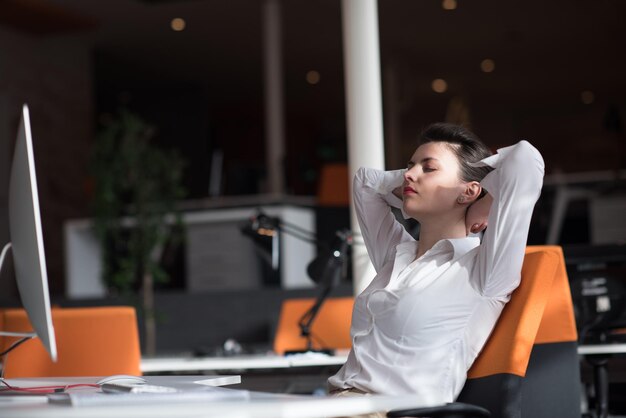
{"type": "Point", "coordinates": [451, 410]}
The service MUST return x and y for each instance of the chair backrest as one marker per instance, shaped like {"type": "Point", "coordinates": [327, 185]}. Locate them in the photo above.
{"type": "Point", "coordinates": [334, 185]}
{"type": "Point", "coordinates": [330, 329]}
{"type": "Point", "coordinates": [98, 341]}
{"type": "Point", "coordinates": [529, 366]}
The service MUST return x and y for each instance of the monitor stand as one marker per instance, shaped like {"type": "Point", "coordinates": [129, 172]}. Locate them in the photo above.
{"type": "Point", "coordinates": [25, 335]}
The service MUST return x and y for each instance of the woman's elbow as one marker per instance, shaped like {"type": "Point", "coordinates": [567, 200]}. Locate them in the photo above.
{"type": "Point", "coordinates": [526, 155]}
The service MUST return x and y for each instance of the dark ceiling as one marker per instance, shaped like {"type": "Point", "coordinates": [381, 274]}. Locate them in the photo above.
{"type": "Point", "coordinates": [546, 54]}
{"type": "Point", "coordinates": [556, 48]}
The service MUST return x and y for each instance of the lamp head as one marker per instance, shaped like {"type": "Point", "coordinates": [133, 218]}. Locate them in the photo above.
{"type": "Point", "coordinates": [260, 225]}
{"type": "Point", "coordinates": [330, 265]}
{"type": "Point", "coordinates": [263, 230]}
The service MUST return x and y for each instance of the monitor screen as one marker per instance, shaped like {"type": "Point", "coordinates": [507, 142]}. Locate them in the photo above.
{"type": "Point", "coordinates": [597, 275]}
{"type": "Point", "coordinates": [26, 237]}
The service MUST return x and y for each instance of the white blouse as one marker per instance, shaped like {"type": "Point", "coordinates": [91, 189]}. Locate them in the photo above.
{"type": "Point", "coordinates": [419, 325]}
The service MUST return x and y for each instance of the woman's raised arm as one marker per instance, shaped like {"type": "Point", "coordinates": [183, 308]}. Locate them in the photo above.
{"type": "Point", "coordinates": [514, 185]}
{"type": "Point", "coordinates": [372, 196]}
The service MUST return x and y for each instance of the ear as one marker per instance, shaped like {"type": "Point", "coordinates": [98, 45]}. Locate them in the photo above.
{"type": "Point", "coordinates": [470, 193]}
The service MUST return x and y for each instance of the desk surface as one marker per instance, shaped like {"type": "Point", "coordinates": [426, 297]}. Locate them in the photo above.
{"type": "Point", "coordinates": [259, 405]}
{"type": "Point", "coordinates": [252, 362]}
{"type": "Point", "coordinates": [593, 349]}
{"type": "Point", "coordinates": [255, 362]}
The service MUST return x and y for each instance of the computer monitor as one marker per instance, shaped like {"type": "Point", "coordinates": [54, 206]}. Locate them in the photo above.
{"type": "Point", "coordinates": [27, 240]}
{"type": "Point", "coordinates": [597, 275]}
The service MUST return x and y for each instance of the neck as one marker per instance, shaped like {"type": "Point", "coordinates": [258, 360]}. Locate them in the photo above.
{"type": "Point", "coordinates": [433, 231]}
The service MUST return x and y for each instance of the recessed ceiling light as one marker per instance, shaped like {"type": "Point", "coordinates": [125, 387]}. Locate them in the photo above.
{"type": "Point", "coordinates": [448, 4]}
{"type": "Point", "coordinates": [313, 77]}
{"type": "Point", "coordinates": [487, 65]}
{"type": "Point", "coordinates": [439, 85]}
{"type": "Point", "coordinates": [178, 24]}
{"type": "Point", "coordinates": [587, 97]}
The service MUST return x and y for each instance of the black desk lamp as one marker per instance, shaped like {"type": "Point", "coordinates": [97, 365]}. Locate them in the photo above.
{"type": "Point", "coordinates": [326, 270]}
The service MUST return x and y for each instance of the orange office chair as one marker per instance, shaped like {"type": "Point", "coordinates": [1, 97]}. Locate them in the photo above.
{"type": "Point", "coordinates": [331, 328]}
{"type": "Point", "coordinates": [529, 366]}
{"type": "Point", "coordinates": [334, 185]}
{"type": "Point", "coordinates": [98, 341]}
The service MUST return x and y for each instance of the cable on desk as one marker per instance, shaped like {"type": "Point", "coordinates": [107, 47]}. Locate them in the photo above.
{"type": "Point", "coordinates": [15, 345]}
{"type": "Point", "coordinates": [44, 389]}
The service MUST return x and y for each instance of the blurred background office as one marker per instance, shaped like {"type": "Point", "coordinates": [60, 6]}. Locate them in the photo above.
{"type": "Point", "coordinates": [248, 98]}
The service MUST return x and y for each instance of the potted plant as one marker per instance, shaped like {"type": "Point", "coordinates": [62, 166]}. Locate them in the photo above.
{"type": "Point", "coordinates": [136, 190]}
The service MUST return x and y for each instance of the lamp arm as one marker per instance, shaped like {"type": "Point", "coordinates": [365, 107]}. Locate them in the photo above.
{"type": "Point", "coordinates": [309, 316]}
{"type": "Point", "coordinates": [300, 234]}
{"type": "Point", "coordinates": [333, 268]}
{"type": "Point", "coordinates": [298, 229]}
{"type": "Point", "coordinates": [333, 271]}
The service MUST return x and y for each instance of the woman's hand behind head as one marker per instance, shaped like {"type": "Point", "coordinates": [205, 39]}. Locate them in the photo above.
{"type": "Point", "coordinates": [477, 214]}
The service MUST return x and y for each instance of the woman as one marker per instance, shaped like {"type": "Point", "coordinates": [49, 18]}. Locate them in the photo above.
{"type": "Point", "coordinates": [417, 328]}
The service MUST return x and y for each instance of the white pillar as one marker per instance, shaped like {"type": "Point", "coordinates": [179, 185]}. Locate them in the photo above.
{"type": "Point", "coordinates": [274, 107]}
{"type": "Point", "coordinates": [5, 168]}
{"type": "Point", "coordinates": [363, 108]}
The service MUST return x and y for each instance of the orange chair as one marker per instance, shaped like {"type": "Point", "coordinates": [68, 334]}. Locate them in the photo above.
{"type": "Point", "coordinates": [334, 185]}
{"type": "Point", "coordinates": [91, 342]}
{"type": "Point", "coordinates": [331, 328]}
{"type": "Point", "coordinates": [529, 366]}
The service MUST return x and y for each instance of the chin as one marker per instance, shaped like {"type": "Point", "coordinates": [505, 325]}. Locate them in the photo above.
{"type": "Point", "coordinates": [421, 215]}
{"type": "Point", "coordinates": [412, 211]}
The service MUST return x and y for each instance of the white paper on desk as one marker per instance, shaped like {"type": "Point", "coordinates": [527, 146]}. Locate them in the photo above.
{"type": "Point", "coordinates": [17, 399]}
{"type": "Point", "coordinates": [173, 381]}
{"type": "Point", "coordinates": [192, 382]}
{"type": "Point", "coordinates": [205, 394]}
{"type": "Point", "coordinates": [219, 381]}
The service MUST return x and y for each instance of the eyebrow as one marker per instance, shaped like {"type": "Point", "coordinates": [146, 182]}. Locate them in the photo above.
{"type": "Point", "coordinates": [424, 160]}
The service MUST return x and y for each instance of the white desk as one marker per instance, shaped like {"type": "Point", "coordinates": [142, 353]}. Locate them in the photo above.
{"type": "Point", "coordinates": [259, 405]}
{"type": "Point", "coordinates": [256, 362]}
{"type": "Point", "coordinates": [252, 362]}
{"type": "Point", "coordinates": [599, 349]}
{"type": "Point", "coordinates": [221, 380]}
{"type": "Point", "coordinates": [598, 356]}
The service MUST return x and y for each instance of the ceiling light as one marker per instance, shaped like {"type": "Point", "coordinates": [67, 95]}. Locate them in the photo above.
{"type": "Point", "coordinates": [178, 24]}
{"type": "Point", "coordinates": [439, 85]}
{"type": "Point", "coordinates": [313, 77]}
{"type": "Point", "coordinates": [487, 65]}
{"type": "Point", "coordinates": [587, 97]}
{"type": "Point", "coordinates": [448, 4]}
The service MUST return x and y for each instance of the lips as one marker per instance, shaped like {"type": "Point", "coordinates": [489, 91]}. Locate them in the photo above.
{"type": "Point", "coordinates": [408, 190]}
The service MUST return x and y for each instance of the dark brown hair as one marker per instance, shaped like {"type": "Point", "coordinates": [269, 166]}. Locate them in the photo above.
{"type": "Point", "coordinates": [467, 147]}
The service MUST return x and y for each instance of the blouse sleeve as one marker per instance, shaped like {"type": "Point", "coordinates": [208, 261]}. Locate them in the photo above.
{"type": "Point", "coordinates": [515, 185]}
{"type": "Point", "coordinates": [373, 198]}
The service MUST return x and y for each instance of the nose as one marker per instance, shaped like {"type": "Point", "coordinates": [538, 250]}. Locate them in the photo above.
{"type": "Point", "coordinates": [409, 175]}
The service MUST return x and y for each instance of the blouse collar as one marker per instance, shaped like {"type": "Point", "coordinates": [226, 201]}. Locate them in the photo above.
{"type": "Point", "coordinates": [458, 246]}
